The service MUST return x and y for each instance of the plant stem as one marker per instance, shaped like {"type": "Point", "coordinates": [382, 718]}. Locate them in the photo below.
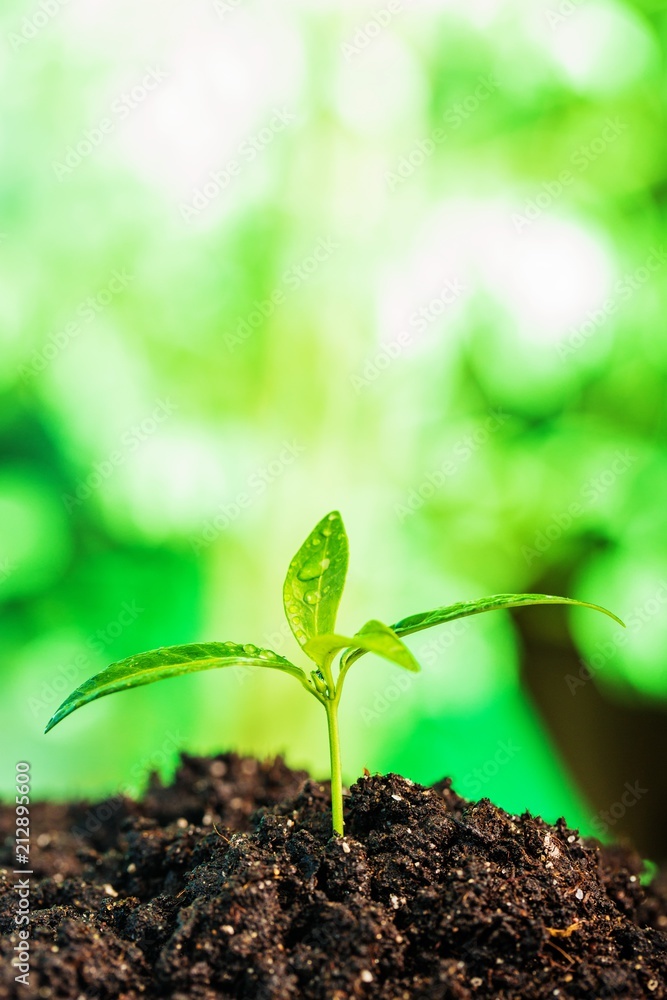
{"type": "Point", "coordinates": [331, 707]}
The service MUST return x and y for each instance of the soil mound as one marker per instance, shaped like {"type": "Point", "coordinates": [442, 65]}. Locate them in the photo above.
{"type": "Point", "coordinates": [227, 884]}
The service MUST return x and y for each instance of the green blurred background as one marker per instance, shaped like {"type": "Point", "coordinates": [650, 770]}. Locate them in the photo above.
{"type": "Point", "coordinates": [404, 259]}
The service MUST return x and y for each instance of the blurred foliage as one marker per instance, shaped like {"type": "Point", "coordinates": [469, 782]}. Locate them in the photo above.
{"type": "Point", "coordinates": [260, 262]}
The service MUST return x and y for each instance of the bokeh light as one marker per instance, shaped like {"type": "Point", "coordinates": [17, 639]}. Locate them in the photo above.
{"type": "Point", "coordinates": [403, 260]}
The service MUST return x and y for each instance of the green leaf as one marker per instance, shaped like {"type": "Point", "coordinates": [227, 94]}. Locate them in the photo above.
{"type": "Point", "coordinates": [315, 579]}
{"type": "Point", "coordinates": [374, 637]}
{"type": "Point", "coordinates": [170, 661]}
{"type": "Point", "coordinates": [427, 619]}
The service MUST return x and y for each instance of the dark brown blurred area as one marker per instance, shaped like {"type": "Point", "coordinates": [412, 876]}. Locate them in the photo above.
{"type": "Point", "coordinates": [615, 749]}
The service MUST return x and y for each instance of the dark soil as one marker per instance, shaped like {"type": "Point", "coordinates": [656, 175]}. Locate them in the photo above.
{"type": "Point", "coordinates": [228, 884]}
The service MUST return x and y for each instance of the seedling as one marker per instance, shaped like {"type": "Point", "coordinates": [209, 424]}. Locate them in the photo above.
{"type": "Point", "coordinates": [311, 596]}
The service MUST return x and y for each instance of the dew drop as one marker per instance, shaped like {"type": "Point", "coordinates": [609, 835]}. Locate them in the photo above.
{"type": "Point", "coordinates": [312, 597]}
{"type": "Point", "coordinates": [312, 569]}
{"type": "Point", "coordinates": [332, 517]}
{"type": "Point", "coordinates": [297, 621]}
{"type": "Point", "coordinates": [301, 636]}
{"type": "Point", "coordinates": [316, 540]}
{"type": "Point", "coordinates": [266, 654]}
{"type": "Point", "coordinates": [293, 608]}
{"type": "Point", "coordinates": [326, 531]}
{"type": "Point", "coordinates": [250, 649]}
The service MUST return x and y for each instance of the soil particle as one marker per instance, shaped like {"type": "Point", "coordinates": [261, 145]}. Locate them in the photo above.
{"type": "Point", "coordinates": [228, 884]}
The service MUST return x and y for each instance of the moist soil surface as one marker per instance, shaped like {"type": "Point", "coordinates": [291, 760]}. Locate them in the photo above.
{"type": "Point", "coordinates": [227, 883]}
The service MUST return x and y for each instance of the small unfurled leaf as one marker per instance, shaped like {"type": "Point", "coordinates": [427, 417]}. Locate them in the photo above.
{"type": "Point", "coordinates": [439, 616]}
{"type": "Point", "coordinates": [315, 580]}
{"type": "Point", "coordinates": [170, 661]}
{"type": "Point", "coordinates": [374, 637]}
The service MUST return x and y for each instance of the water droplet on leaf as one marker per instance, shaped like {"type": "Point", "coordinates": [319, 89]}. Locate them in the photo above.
{"type": "Point", "coordinates": [250, 650]}
{"type": "Point", "coordinates": [312, 569]}
{"type": "Point", "coordinates": [312, 597]}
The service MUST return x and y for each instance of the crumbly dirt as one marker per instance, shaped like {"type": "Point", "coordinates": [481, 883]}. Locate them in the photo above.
{"type": "Point", "coordinates": [228, 884]}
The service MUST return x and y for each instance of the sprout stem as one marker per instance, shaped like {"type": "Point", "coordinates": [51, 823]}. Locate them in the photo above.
{"type": "Point", "coordinates": [331, 707]}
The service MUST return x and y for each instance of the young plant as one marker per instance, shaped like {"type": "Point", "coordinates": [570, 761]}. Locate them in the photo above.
{"type": "Point", "coordinates": [311, 596]}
